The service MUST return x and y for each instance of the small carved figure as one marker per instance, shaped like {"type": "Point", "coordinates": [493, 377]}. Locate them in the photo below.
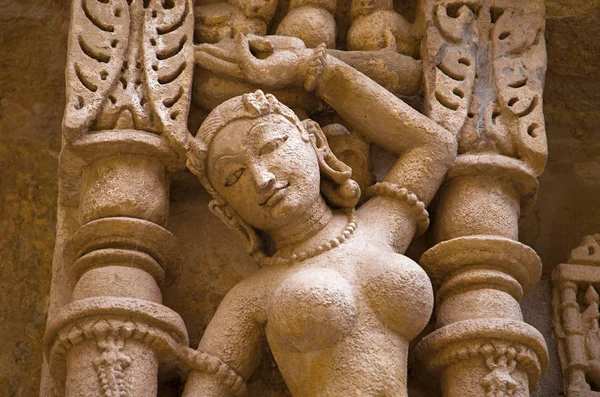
{"type": "Point", "coordinates": [377, 26]}
{"type": "Point", "coordinates": [336, 299]}
{"type": "Point", "coordinates": [575, 318]}
{"type": "Point", "coordinates": [221, 20]}
{"type": "Point", "coordinates": [311, 21]}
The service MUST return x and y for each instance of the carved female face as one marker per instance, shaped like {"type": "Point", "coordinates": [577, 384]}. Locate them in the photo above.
{"type": "Point", "coordinates": [266, 169]}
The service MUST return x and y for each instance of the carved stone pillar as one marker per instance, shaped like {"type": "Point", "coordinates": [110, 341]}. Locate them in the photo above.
{"type": "Point", "coordinates": [128, 78]}
{"type": "Point", "coordinates": [106, 336]}
{"type": "Point", "coordinates": [484, 64]}
{"type": "Point", "coordinates": [575, 317]}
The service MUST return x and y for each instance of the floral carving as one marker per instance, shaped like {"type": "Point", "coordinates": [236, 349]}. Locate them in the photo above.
{"type": "Point", "coordinates": [499, 382]}
{"type": "Point", "coordinates": [496, 354]}
{"type": "Point", "coordinates": [96, 54]}
{"type": "Point", "coordinates": [111, 366]}
{"type": "Point", "coordinates": [111, 334]}
{"type": "Point", "coordinates": [449, 60]}
{"type": "Point", "coordinates": [519, 66]}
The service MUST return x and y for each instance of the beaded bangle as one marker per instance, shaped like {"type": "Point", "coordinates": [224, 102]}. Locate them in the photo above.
{"type": "Point", "coordinates": [315, 67]}
{"type": "Point", "coordinates": [209, 364]}
{"type": "Point", "coordinates": [402, 194]}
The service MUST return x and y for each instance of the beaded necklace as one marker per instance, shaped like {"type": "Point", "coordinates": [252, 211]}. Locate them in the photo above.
{"type": "Point", "coordinates": [345, 235]}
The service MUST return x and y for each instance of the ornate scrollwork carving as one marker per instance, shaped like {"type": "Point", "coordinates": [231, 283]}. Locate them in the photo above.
{"type": "Point", "coordinates": [501, 363]}
{"type": "Point", "coordinates": [449, 54]}
{"type": "Point", "coordinates": [130, 65]}
{"type": "Point", "coordinates": [519, 67]}
{"type": "Point", "coordinates": [484, 71]}
{"type": "Point", "coordinates": [96, 54]}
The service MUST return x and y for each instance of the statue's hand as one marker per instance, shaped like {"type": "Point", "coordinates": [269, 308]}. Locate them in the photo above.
{"type": "Point", "coordinates": [280, 62]}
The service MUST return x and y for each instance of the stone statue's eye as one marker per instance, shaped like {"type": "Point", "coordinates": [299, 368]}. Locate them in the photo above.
{"type": "Point", "coordinates": [272, 145]}
{"type": "Point", "coordinates": [234, 177]}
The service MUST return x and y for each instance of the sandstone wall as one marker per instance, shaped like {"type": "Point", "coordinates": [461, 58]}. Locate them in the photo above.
{"type": "Point", "coordinates": [32, 58]}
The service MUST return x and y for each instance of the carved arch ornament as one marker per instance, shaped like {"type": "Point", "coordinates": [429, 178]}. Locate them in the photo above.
{"type": "Point", "coordinates": [475, 68]}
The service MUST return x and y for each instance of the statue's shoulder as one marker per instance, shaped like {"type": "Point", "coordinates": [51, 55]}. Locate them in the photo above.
{"type": "Point", "coordinates": [255, 290]}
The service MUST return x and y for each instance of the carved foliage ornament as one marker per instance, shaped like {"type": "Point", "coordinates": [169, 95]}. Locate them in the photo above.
{"type": "Point", "coordinates": [501, 363]}
{"type": "Point", "coordinates": [484, 67]}
{"type": "Point", "coordinates": [130, 66]}
{"type": "Point", "coordinates": [110, 367]}
{"type": "Point", "coordinates": [111, 336]}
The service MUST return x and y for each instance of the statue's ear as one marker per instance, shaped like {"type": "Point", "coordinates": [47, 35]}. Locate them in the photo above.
{"type": "Point", "coordinates": [249, 236]}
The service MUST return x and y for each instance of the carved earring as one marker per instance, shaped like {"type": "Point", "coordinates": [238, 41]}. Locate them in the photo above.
{"type": "Point", "coordinates": [250, 237]}
{"type": "Point", "coordinates": [338, 188]}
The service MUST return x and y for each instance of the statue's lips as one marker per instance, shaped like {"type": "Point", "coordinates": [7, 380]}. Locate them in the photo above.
{"type": "Point", "coordinates": [276, 197]}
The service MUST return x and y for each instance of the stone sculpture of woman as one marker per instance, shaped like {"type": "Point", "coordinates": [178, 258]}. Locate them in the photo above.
{"type": "Point", "coordinates": [335, 298]}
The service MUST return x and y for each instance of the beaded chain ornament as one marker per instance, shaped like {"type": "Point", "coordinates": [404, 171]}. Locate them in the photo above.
{"type": "Point", "coordinates": [402, 194]}
{"type": "Point", "coordinates": [344, 236]}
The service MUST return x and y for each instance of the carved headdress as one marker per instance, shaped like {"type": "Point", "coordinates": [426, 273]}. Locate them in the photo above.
{"type": "Point", "coordinates": [336, 185]}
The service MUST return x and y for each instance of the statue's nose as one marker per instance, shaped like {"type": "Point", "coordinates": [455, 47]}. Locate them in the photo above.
{"type": "Point", "coordinates": [263, 179]}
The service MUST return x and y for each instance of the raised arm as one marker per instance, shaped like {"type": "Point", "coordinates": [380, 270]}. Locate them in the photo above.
{"type": "Point", "coordinates": [234, 336]}
{"type": "Point", "coordinates": [424, 148]}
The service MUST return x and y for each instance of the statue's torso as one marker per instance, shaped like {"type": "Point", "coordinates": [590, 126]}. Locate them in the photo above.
{"type": "Point", "coordinates": [339, 324]}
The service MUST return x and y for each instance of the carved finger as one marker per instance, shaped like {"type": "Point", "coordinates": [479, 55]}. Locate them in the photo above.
{"type": "Point", "coordinates": [216, 51]}
{"type": "Point", "coordinates": [217, 65]}
{"type": "Point", "coordinates": [247, 61]}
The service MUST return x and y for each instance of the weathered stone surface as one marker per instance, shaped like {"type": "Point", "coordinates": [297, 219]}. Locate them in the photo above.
{"type": "Point", "coordinates": [33, 42]}
{"type": "Point", "coordinates": [536, 311]}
